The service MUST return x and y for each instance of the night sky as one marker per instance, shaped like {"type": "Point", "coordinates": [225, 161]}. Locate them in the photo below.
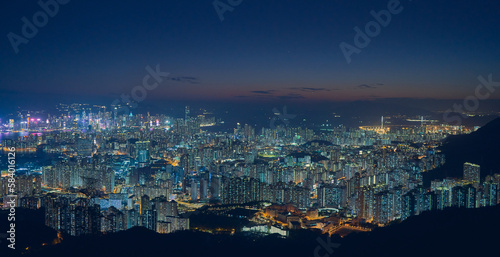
{"type": "Point", "coordinates": [261, 51]}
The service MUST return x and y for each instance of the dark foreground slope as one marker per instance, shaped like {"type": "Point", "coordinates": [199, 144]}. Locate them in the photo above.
{"type": "Point", "coordinates": [480, 147]}
{"type": "Point", "coordinates": [29, 230]}
{"type": "Point", "coordinates": [453, 232]}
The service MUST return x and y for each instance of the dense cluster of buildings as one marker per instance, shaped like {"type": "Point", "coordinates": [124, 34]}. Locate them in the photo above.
{"type": "Point", "coordinates": [105, 171]}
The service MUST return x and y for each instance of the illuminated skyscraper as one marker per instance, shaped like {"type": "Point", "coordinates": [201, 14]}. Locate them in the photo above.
{"type": "Point", "coordinates": [194, 190]}
{"type": "Point", "coordinates": [144, 203]}
{"type": "Point", "coordinates": [383, 207]}
{"type": "Point", "coordinates": [430, 201]}
{"type": "Point", "coordinates": [142, 152]}
{"type": "Point", "coordinates": [329, 196]}
{"type": "Point", "coordinates": [443, 198]}
{"type": "Point", "coordinates": [408, 206]}
{"type": "Point", "coordinates": [464, 196]}
{"type": "Point", "coordinates": [186, 114]}
{"type": "Point", "coordinates": [472, 173]}
{"type": "Point", "coordinates": [490, 193]}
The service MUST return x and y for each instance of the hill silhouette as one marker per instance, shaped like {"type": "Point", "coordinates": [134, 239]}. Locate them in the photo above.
{"type": "Point", "coordinates": [480, 147]}
{"type": "Point", "coordinates": [452, 232]}
{"type": "Point", "coordinates": [30, 230]}
{"type": "Point", "coordinates": [139, 241]}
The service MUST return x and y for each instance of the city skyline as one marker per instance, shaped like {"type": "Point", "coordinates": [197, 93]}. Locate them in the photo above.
{"type": "Point", "coordinates": [98, 172]}
{"type": "Point", "coordinates": [250, 128]}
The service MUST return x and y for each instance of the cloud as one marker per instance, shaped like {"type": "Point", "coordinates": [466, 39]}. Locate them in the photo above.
{"type": "Point", "coordinates": [264, 92]}
{"type": "Point", "coordinates": [365, 86]}
{"type": "Point", "coordinates": [268, 94]}
{"type": "Point", "coordinates": [370, 86]}
{"type": "Point", "coordinates": [311, 89]}
{"type": "Point", "coordinates": [186, 79]}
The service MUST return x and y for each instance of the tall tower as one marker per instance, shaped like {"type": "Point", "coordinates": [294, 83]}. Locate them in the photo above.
{"type": "Point", "coordinates": [472, 173]}
{"type": "Point", "coordinates": [382, 122]}
{"type": "Point", "coordinates": [186, 113]}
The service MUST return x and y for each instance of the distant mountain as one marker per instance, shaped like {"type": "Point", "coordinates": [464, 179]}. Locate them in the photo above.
{"type": "Point", "coordinates": [480, 147]}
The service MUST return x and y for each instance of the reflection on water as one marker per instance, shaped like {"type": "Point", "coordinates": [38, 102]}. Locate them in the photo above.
{"type": "Point", "coordinates": [28, 159]}
{"type": "Point", "coordinates": [14, 135]}
{"type": "Point", "coordinates": [25, 158]}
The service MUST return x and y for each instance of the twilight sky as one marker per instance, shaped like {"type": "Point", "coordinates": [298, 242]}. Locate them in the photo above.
{"type": "Point", "coordinates": [274, 50]}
